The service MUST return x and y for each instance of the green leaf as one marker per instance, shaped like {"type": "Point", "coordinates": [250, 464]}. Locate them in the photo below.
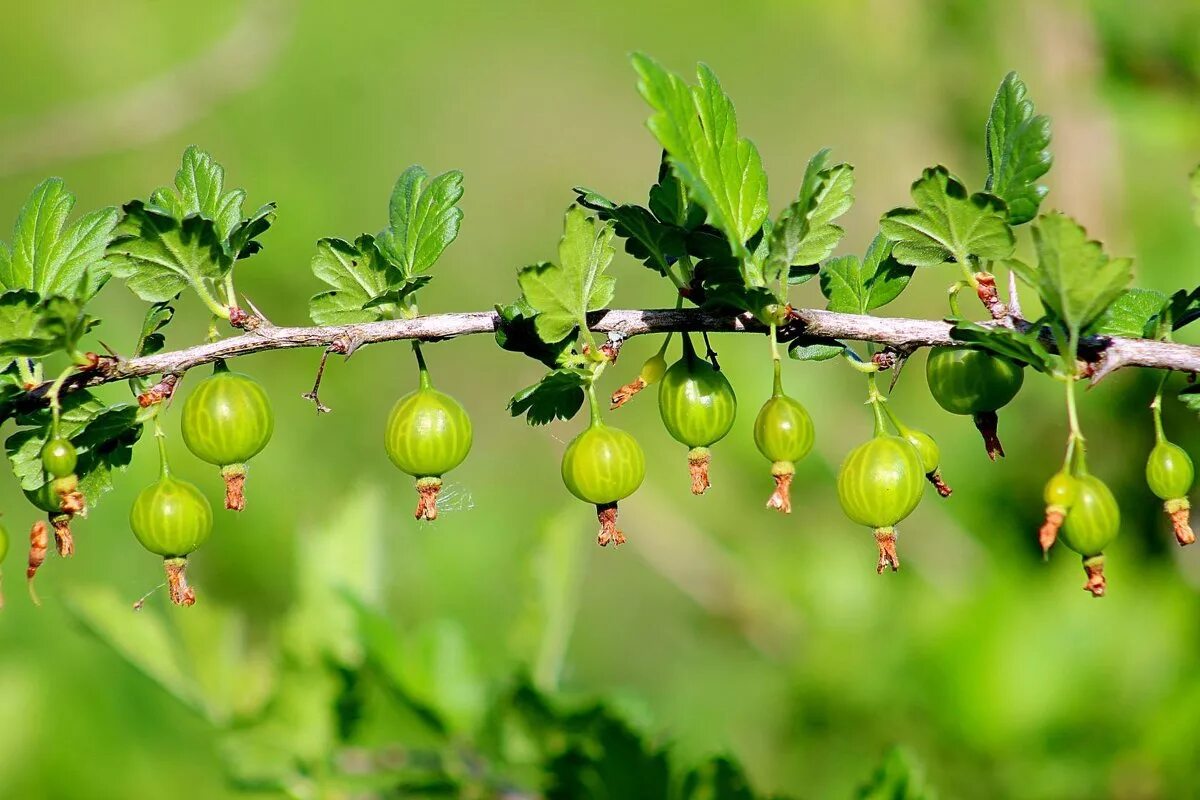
{"type": "Point", "coordinates": [424, 219]}
{"type": "Point", "coordinates": [1182, 309]}
{"type": "Point", "coordinates": [669, 201]}
{"type": "Point", "coordinates": [1023, 346]}
{"type": "Point", "coordinates": [697, 126]}
{"type": "Point", "coordinates": [805, 233]}
{"type": "Point", "coordinates": [151, 340]}
{"type": "Point", "coordinates": [200, 191]}
{"type": "Point", "coordinates": [1017, 142]}
{"type": "Point", "coordinates": [358, 274]}
{"type": "Point", "coordinates": [1190, 397]}
{"type": "Point", "coordinates": [160, 256]}
{"type": "Point", "coordinates": [563, 294]}
{"type": "Point", "coordinates": [516, 332]}
{"type": "Point", "coordinates": [655, 244]}
{"type": "Point", "coordinates": [243, 241]}
{"type": "Point", "coordinates": [52, 258]}
{"type": "Point", "coordinates": [899, 777]}
{"type": "Point", "coordinates": [21, 333]}
{"type": "Point", "coordinates": [1133, 314]}
{"type": "Point", "coordinates": [1076, 280]}
{"type": "Point", "coordinates": [855, 287]}
{"type": "Point", "coordinates": [948, 224]}
{"type": "Point", "coordinates": [804, 348]}
{"type": "Point", "coordinates": [558, 395]}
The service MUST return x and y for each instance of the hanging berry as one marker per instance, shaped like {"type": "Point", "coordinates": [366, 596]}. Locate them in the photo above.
{"type": "Point", "coordinates": [1092, 523]}
{"type": "Point", "coordinates": [783, 433]}
{"type": "Point", "coordinates": [976, 383]}
{"type": "Point", "coordinates": [604, 465]}
{"type": "Point", "coordinates": [1059, 495]}
{"type": "Point", "coordinates": [697, 405]}
{"type": "Point", "coordinates": [227, 420]}
{"type": "Point", "coordinates": [879, 484]}
{"type": "Point", "coordinates": [1169, 473]}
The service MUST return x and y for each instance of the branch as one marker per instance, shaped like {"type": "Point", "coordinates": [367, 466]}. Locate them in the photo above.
{"type": "Point", "coordinates": [1103, 353]}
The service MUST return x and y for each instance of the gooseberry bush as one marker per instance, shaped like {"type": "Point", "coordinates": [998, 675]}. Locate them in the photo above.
{"type": "Point", "coordinates": [728, 264]}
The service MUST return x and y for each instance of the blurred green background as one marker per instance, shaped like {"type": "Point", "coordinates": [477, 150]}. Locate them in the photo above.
{"type": "Point", "coordinates": [721, 627]}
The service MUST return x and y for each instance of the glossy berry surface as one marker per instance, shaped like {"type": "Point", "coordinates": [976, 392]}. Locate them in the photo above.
{"type": "Point", "coordinates": [783, 430]}
{"type": "Point", "coordinates": [603, 465]}
{"type": "Point", "coordinates": [428, 433]}
{"type": "Point", "coordinates": [967, 381]}
{"type": "Point", "coordinates": [696, 403]}
{"type": "Point", "coordinates": [881, 481]}
{"type": "Point", "coordinates": [926, 448]}
{"type": "Point", "coordinates": [227, 419]}
{"type": "Point", "coordinates": [59, 458]}
{"type": "Point", "coordinates": [45, 498]}
{"type": "Point", "coordinates": [1169, 471]}
{"type": "Point", "coordinates": [1094, 518]}
{"type": "Point", "coordinates": [1061, 490]}
{"type": "Point", "coordinates": [171, 518]}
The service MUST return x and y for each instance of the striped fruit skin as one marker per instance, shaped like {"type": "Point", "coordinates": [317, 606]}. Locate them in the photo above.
{"type": "Point", "coordinates": [696, 403]}
{"type": "Point", "coordinates": [1094, 518]}
{"type": "Point", "coordinates": [227, 419]}
{"type": "Point", "coordinates": [171, 518]}
{"type": "Point", "coordinates": [1169, 471]}
{"type": "Point", "coordinates": [881, 481]}
{"type": "Point", "coordinates": [428, 433]}
{"type": "Point", "coordinates": [926, 448]}
{"type": "Point", "coordinates": [783, 430]}
{"type": "Point", "coordinates": [44, 498]}
{"type": "Point", "coordinates": [1061, 490]}
{"type": "Point", "coordinates": [967, 381]}
{"type": "Point", "coordinates": [603, 465]}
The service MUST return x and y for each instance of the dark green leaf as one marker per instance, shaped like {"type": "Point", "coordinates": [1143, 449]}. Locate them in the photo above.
{"type": "Point", "coordinates": [200, 191]}
{"type": "Point", "coordinates": [562, 294]}
{"type": "Point", "coordinates": [855, 287]}
{"type": "Point", "coordinates": [669, 201]}
{"type": "Point", "coordinates": [1017, 142]}
{"type": "Point", "coordinates": [897, 778]}
{"type": "Point", "coordinates": [1023, 346]}
{"type": "Point", "coordinates": [717, 779]}
{"type": "Point", "coordinates": [151, 340]}
{"type": "Point", "coordinates": [243, 241]}
{"type": "Point", "coordinates": [52, 258]}
{"type": "Point", "coordinates": [33, 329]}
{"type": "Point", "coordinates": [160, 256]}
{"type": "Point", "coordinates": [1076, 280]}
{"type": "Point", "coordinates": [358, 275]}
{"type": "Point", "coordinates": [725, 288]}
{"type": "Point", "coordinates": [424, 219]}
{"type": "Point", "coordinates": [1133, 314]}
{"type": "Point", "coordinates": [517, 333]}
{"type": "Point", "coordinates": [558, 395]}
{"type": "Point", "coordinates": [654, 243]}
{"type": "Point", "coordinates": [1190, 397]}
{"type": "Point", "coordinates": [1182, 309]}
{"type": "Point", "coordinates": [948, 223]}
{"type": "Point", "coordinates": [697, 126]}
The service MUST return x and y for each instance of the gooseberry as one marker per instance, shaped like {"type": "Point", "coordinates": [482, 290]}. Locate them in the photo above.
{"type": "Point", "coordinates": [604, 465]}
{"type": "Point", "coordinates": [974, 382]}
{"type": "Point", "coordinates": [697, 405]}
{"type": "Point", "coordinates": [171, 518]}
{"type": "Point", "coordinates": [1092, 523]}
{"type": "Point", "coordinates": [879, 484]}
{"type": "Point", "coordinates": [1169, 473]}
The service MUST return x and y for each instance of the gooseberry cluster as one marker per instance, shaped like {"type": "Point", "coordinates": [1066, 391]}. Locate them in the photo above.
{"type": "Point", "coordinates": [705, 230]}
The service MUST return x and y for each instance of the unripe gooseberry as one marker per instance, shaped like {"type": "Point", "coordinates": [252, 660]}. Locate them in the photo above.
{"type": "Point", "coordinates": [1169, 473]}
{"type": "Point", "coordinates": [879, 484]}
{"type": "Point", "coordinates": [603, 465]}
{"type": "Point", "coordinates": [973, 382]}
{"type": "Point", "coordinates": [59, 457]}
{"type": "Point", "coordinates": [1092, 523]}
{"type": "Point", "coordinates": [1059, 495]}
{"type": "Point", "coordinates": [697, 405]}
{"type": "Point", "coordinates": [171, 518]}
{"type": "Point", "coordinates": [428, 434]}
{"type": "Point", "coordinates": [783, 433]}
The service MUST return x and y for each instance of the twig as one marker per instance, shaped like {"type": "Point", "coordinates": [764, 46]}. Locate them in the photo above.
{"type": "Point", "coordinates": [905, 335]}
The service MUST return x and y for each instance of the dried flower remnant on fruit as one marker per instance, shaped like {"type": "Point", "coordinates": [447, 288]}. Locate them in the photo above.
{"type": "Point", "coordinates": [63, 539]}
{"type": "Point", "coordinates": [1096, 583]}
{"type": "Point", "coordinates": [182, 594]}
{"type": "Point", "coordinates": [39, 543]}
{"type": "Point", "coordinates": [698, 460]}
{"type": "Point", "coordinates": [625, 393]}
{"type": "Point", "coordinates": [606, 514]}
{"type": "Point", "coordinates": [781, 498]}
{"type": "Point", "coordinates": [987, 423]}
{"type": "Point", "coordinates": [939, 483]}
{"type": "Point", "coordinates": [885, 538]}
{"type": "Point", "coordinates": [1180, 512]}
{"type": "Point", "coordinates": [428, 490]}
{"type": "Point", "coordinates": [235, 486]}
{"type": "Point", "coordinates": [163, 390]}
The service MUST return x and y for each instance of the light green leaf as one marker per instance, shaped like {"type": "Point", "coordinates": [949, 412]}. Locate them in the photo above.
{"type": "Point", "coordinates": [160, 256]}
{"type": "Point", "coordinates": [358, 274]}
{"type": "Point", "coordinates": [1017, 142]}
{"type": "Point", "coordinates": [53, 258]}
{"type": "Point", "coordinates": [1133, 314]}
{"type": "Point", "coordinates": [948, 223]}
{"type": "Point", "coordinates": [562, 294]}
{"type": "Point", "coordinates": [697, 126]}
{"type": "Point", "coordinates": [855, 287]}
{"type": "Point", "coordinates": [806, 349]}
{"type": "Point", "coordinates": [21, 333]}
{"type": "Point", "coordinates": [200, 190]}
{"type": "Point", "coordinates": [425, 219]}
{"type": "Point", "coordinates": [805, 233]}
{"type": "Point", "coordinates": [1076, 280]}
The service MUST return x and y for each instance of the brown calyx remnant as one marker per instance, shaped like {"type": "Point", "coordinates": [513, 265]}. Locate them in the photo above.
{"type": "Point", "coordinates": [70, 500]}
{"type": "Point", "coordinates": [609, 533]}
{"type": "Point", "coordinates": [990, 296]}
{"type": "Point", "coordinates": [1048, 533]}
{"type": "Point", "coordinates": [623, 395]}
{"type": "Point", "coordinates": [698, 461]}
{"type": "Point", "coordinates": [177, 585]}
{"type": "Point", "coordinates": [39, 543]}
{"type": "Point", "coordinates": [986, 422]}
{"type": "Point", "coordinates": [158, 392]}
{"type": "Point", "coordinates": [243, 320]}
{"type": "Point", "coordinates": [63, 539]}
{"type": "Point", "coordinates": [427, 495]}
{"type": "Point", "coordinates": [235, 486]}
{"type": "Point", "coordinates": [1096, 584]}
{"type": "Point", "coordinates": [886, 539]}
{"type": "Point", "coordinates": [942, 487]}
{"type": "Point", "coordinates": [781, 499]}
{"type": "Point", "coordinates": [1180, 511]}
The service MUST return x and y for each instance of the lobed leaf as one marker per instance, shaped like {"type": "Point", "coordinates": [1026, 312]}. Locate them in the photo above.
{"type": "Point", "coordinates": [558, 395]}
{"type": "Point", "coordinates": [33, 328]}
{"type": "Point", "coordinates": [855, 287]}
{"type": "Point", "coordinates": [424, 219]}
{"type": "Point", "coordinates": [948, 223]}
{"type": "Point", "coordinates": [805, 234]}
{"type": "Point", "coordinates": [1075, 279]}
{"type": "Point", "coordinates": [359, 275]}
{"type": "Point", "coordinates": [516, 332]}
{"type": "Point", "coordinates": [151, 339]}
{"type": "Point", "coordinates": [697, 126]}
{"type": "Point", "coordinates": [562, 294]}
{"type": "Point", "coordinates": [199, 190]}
{"type": "Point", "coordinates": [1133, 314]}
{"type": "Point", "coordinates": [160, 256]}
{"type": "Point", "coordinates": [656, 244]}
{"type": "Point", "coordinates": [1017, 142]}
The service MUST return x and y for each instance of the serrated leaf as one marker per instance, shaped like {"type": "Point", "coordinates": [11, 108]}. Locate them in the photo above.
{"type": "Point", "coordinates": [562, 294]}
{"type": "Point", "coordinates": [1021, 346]}
{"type": "Point", "coordinates": [243, 240]}
{"type": "Point", "coordinates": [1133, 314]}
{"type": "Point", "coordinates": [697, 126]}
{"type": "Point", "coordinates": [1182, 309]}
{"type": "Point", "coordinates": [151, 340]}
{"type": "Point", "coordinates": [725, 288]}
{"type": "Point", "coordinates": [199, 190]}
{"type": "Point", "coordinates": [358, 274]}
{"type": "Point", "coordinates": [517, 333]}
{"type": "Point", "coordinates": [855, 287]}
{"type": "Point", "coordinates": [1017, 142]}
{"type": "Point", "coordinates": [1190, 397]}
{"type": "Point", "coordinates": [50, 257]}
{"type": "Point", "coordinates": [805, 233]}
{"type": "Point", "coordinates": [948, 223]}
{"type": "Point", "coordinates": [655, 244]}
{"type": "Point", "coordinates": [669, 201]}
{"type": "Point", "coordinates": [160, 256]}
{"type": "Point", "coordinates": [424, 219]}
{"type": "Point", "coordinates": [20, 333]}
{"type": "Point", "coordinates": [558, 395]}
{"type": "Point", "coordinates": [1076, 280]}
